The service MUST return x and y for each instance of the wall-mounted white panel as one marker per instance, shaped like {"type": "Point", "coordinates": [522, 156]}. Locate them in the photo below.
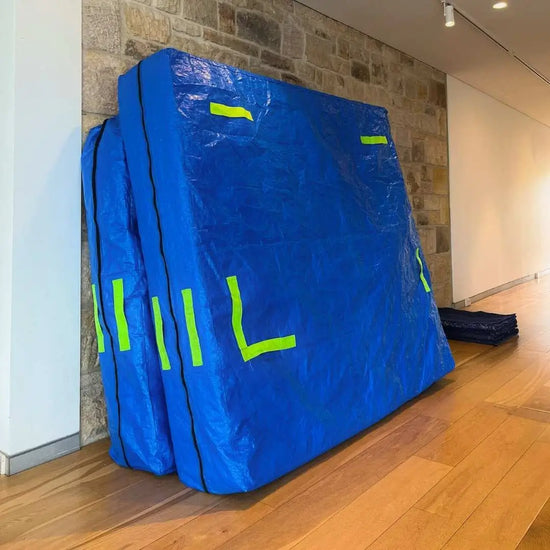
{"type": "Point", "coordinates": [500, 192]}
{"type": "Point", "coordinates": [44, 384]}
{"type": "Point", "coordinates": [7, 83]}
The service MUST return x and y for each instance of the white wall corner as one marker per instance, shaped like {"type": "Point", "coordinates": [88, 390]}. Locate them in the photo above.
{"type": "Point", "coordinates": [40, 222]}
{"type": "Point", "coordinates": [7, 107]}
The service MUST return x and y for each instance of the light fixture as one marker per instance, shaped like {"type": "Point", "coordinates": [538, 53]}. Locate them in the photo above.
{"type": "Point", "coordinates": [449, 13]}
{"type": "Point", "coordinates": [500, 5]}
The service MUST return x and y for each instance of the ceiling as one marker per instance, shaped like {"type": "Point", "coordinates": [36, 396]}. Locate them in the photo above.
{"type": "Point", "coordinates": [416, 27]}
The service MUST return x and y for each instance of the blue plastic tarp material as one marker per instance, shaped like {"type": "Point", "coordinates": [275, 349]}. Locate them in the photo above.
{"type": "Point", "coordinates": [134, 395]}
{"type": "Point", "coordinates": [293, 305]}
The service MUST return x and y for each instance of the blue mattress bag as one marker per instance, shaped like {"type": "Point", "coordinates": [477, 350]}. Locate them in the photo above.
{"type": "Point", "coordinates": [134, 395]}
{"type": "Point", "coordinates": [290, 297]}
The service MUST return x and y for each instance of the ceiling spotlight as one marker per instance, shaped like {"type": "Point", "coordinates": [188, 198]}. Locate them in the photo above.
{"type": "Point", "coordinates": [500, 5]}
{"type": "Point", "coordinates": [449, 13]}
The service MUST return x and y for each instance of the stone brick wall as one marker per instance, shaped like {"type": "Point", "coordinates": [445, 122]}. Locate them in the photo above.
{"type": "Point", "coordinates": [285, 40]}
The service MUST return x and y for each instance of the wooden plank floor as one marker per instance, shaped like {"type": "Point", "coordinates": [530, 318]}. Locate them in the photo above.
{"type": "Point", "coordinates": [464, 466]}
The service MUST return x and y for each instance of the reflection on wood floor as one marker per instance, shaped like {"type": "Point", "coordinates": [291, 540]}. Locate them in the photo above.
{"type": "Point", "coordinates": [464, 466]}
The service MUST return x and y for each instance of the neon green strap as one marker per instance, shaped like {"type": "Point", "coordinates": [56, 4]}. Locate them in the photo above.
{"type": "Point", "coordinates": [265, 346]}
{"type": "Point", "coordinates": [120, 316]}
{"type": "Point", "coordinates": [196, 353]}
{"type": "Point", "coordinates": [251, 351]}
{"type": "Point", "coordinates": [231, 112]}
{"type": "Point", "coordinates": [422, 278]}
{"type": "Point", "coordinates": [374, 140]}
{"type": "Point", "coordinates": [237, 313]}
{"type": "Point", "coordinates": [159, 334]}
{"type": "Point", "coordinates": [98, 330]}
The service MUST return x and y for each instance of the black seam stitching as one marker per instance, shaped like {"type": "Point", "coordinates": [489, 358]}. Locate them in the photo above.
{"type": "Point", "coordinates": [161, 246]}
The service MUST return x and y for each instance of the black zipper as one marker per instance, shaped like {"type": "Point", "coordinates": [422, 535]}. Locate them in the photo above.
{"type": "Point", "coordinates": [161, 247]}
{"type": "Point", "coordinates": [100, 287]}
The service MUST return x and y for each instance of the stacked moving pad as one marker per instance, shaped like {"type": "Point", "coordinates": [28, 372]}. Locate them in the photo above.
{"type": "Point", "coordinates": [261, 294]}
{"type": "Point", "coordinates": [478, 326]}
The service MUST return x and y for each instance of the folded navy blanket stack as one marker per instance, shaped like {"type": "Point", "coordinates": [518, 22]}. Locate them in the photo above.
{"type": "Point", "coordinates": [478, 326]}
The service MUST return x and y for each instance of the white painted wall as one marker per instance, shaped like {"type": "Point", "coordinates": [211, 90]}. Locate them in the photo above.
{"type": "Point", "coordinates": [499, 192]}
{"type": "Point", "coordinates": [7, 87]}
{"type": "Point", "coordinates": [44, 378]}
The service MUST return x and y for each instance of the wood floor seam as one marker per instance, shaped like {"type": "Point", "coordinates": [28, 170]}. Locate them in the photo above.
{"type": "Point", "coordinates": [81, 508]}
{"type": "Point", "coordinates": [135, 517]}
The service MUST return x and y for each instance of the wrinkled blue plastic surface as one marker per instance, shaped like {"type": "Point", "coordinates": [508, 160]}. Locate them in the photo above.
{"type": "Point", "coordinates": [134, 395]}
{"type": "Point", "coordinates": [318, 230]}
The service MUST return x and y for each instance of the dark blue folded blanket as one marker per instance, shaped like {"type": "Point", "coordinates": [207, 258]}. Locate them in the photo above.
{"type": "Point", "coordinates": [478, 326]}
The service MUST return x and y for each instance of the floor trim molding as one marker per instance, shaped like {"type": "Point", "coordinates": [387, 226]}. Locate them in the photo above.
{"type": "Point", "coordinates": [10, 465]}
{"type": "Point", "coordinates": [538, 275]}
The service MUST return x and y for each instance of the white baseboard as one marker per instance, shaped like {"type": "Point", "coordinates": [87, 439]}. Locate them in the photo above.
{"type": "Point", "coordinates": [470, 300]}
{"type": "Point", "coordinates": [14, 464]}
{"type": "Point", "coordinates": [541, 274]}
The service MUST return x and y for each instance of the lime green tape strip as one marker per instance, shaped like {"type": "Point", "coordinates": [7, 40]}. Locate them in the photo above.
{"type": "Point", "coordinates": [231, 112]}
{"type": "Point", "coordinates": [120, 316]}
{"type": "Point", "coordinates": [196, 353]}
{"type": "Point", "coordinates": [159, 334]}
{"type": "Point", "coordinates": [422, 278]}
{"type": "Point", "coordinates": [99, 332]}
{"type": "Point", "coordinates": [374, 140]}
{"type": "Point", "coordinates": [237, 313]}
{"type": "Point", "coordinates": [265, 346]}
